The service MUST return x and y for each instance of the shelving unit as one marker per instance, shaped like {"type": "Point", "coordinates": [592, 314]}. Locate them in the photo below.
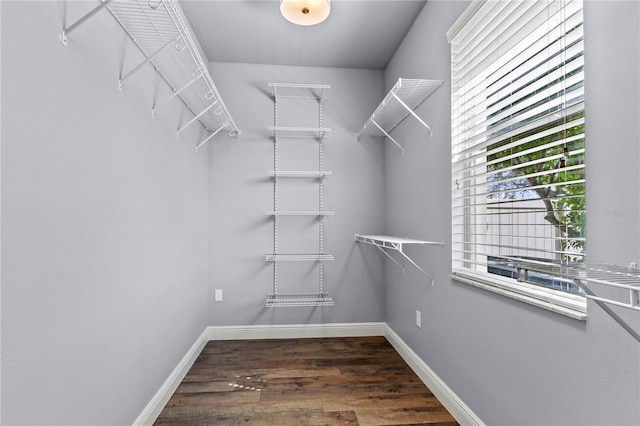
{"type": "Point", "coordinates": [401, 102]}
{"type": "Point", "coordinates": [315, 93]}
{"type": "Point", "coordinates": [622, 281]}
{"type": "Point", "coordinates": [394, 243]}
{"type": "Point", "coordinates": [161, 34]}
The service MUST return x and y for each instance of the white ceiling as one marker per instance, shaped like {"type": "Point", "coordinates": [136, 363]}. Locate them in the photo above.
{"type": "Point", "coordinates": [357, 33]}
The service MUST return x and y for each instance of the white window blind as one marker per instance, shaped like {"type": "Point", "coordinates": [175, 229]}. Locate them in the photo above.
{"type": "Point", "coordinates": [518, 145]}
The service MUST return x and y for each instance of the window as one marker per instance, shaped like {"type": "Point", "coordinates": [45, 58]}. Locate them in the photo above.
{"type": "Point", "coordinates": [518, 149]}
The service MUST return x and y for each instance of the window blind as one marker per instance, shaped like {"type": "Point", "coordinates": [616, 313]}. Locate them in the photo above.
{"type": "Point", "coordinates": [518, 143]}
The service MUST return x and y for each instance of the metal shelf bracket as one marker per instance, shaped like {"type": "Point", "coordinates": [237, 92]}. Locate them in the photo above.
{"type": "Point", "coordinates": [146, 61]}
{"type": "Point", "coordinates": [68, 30]}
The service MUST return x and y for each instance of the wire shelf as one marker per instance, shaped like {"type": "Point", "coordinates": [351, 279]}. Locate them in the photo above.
{"type": "Point", "coordinates": [613, 280]}
{"type": "Point", "coordinates": [401, 101]}
{"type": "Point", "coordinates": [298, 257]}
{"type": "Point", "coordinates": [300, 213]}
{"type": "Point", "coordinates": [626, 278]}
{"type": "Point", "coordinates": [161, 33]}
{"type": "Point", "coordinates": [299, 90]}
{"type": "Point", "coordinates": [395, 243]}
{"type": "Point", "coordinates": [318, 133]}
{"type": "Point", "coordinates": [298, 299]}
{"type": "Point", "coordinates": [300, 174]}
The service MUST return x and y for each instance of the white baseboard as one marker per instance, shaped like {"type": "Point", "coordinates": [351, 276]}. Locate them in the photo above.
{"type": "Point", "coordinates": [458, 409]}
{"type": "Point", "coordinates": [447, 397]}
{"type": "Point", "coordinates": [160, 399]}
{"type": "Point", "coordinates": [295, 331]}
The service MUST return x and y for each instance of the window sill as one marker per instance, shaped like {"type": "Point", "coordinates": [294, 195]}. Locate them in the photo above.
{"type": "Point", "coordinates": [536, 297]}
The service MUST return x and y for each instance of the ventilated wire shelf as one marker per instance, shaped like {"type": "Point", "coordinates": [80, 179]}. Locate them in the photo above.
{"type": "Point", "coordinates": [300, 213]}
{"type": "Point", "coordinates": [622, 277]}
{"type": "Point", "coordinates": [285, 300]}
{"type": "Point", "coordinates": [300, 174]}
{"type": "Point", "coordinates": [297, 257]}
{"type": "Point", "coordinates": [161, 33]}
{"type": "Point", "coordinates": [299, 90]}
{"type": "Point", "coordinates": [390, 113]}
{"type": "Point", "coordinates": [318, 133]}
{"type": "Point", "coordinates": [154, 24]}
{"type": "Point", "coordinates": [383, 242]}
{"type": "Point", "coordinates": [614, 280]}
{"type": "Point", "coordinates": [401, 101]}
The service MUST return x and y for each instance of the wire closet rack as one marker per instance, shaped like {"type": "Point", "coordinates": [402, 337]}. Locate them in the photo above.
{"type": "Point", "coordinates": [401, 101]}
{"type": "Point", "coordinates": [383, 242]}
{"type": "Point", "coordinates": [315, 93]}
{"type": "Point", "coordinates": [614, 284]}
{"type": "Point", "coordinates": [159, 30]}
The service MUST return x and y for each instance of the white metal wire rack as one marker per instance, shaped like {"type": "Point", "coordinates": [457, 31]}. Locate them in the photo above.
{"type": "Point", "coordinates": [298, 257]}
{"type": "Point", "coordinates": [300, 213]}
{"type": "Point", "coordinates": [317, 94]}
{"type": "Point", "coordinates": [300, 174]}
{"type": "Point", "coordinates": [298, 299]}
{"type": "Point", "coordinates": [300, 90]}
{"type": "Point", "coordinates": [395, 243]}
{"type": "Point", "coordinates": [300, 132]}
{"type": "Point", "coordinates": [616, 280]}
{"type": "Point", "coordinates": [401, 101]}
{"type": "Point", "coordinates": [159, 30]}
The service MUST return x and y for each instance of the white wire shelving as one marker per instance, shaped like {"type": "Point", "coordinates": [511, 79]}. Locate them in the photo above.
{"type": "Point", "coordinates": [300, 174]}
{"type": "Point", "coordinates": [300, 90]}
{"type": "Point", "coordinates": [300, 213]}
{"type": "Point", "coordinates": [383, 242]}
{"type": "Point", "coordinates": [298, 299]}
{"type": "Point", "coordinates": [401, 101]}
{"type": "Point", "coordinates": [159, 30]}
{"type": "Point", "coordinates": [317, 94]}
{"type": "Point", "coordinates": [617, 281]}
{"type": "Point", "coordinates": [298, 257]}
{"type": "Point", "coordinates": [318, 133]}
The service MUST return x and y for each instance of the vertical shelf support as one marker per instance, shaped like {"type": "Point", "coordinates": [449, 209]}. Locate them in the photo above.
{"type": "Point", "coordinates": [65, 32]}
{"type": "Point", "coordinates": [319, 298]}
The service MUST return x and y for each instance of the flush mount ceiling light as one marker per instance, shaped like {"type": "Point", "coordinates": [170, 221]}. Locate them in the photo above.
{"type": "Point", "coordinates": [305, 12]}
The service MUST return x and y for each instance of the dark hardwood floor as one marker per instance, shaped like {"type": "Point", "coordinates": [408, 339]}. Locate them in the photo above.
{"type": "Point", "coordinates": [328, 381]}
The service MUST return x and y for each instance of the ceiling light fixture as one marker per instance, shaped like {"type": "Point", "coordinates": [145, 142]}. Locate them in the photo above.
{"type": "Point", "coordinates": [305, 12]}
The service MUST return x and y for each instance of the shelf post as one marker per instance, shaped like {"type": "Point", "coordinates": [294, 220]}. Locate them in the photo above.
{"type": "Point", "coordinates": [66, 31]}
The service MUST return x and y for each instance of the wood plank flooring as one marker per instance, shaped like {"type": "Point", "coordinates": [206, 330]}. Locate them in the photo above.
{"type": "Point", "coordinates": [328, 381]}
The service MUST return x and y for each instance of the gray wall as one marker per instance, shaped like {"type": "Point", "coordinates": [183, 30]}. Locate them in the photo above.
{"type": "Point", "coordinates": [509, 362]}
{"type": "Point", "coordinates": [241, 192]}
{"type": "Point", "coordinates": [104, 225]}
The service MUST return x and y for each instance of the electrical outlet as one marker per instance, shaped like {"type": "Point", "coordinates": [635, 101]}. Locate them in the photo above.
{"type": "Point", "coordinates": [418, 319]}
{"type": "Point", "coordinates": [217, 295]}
